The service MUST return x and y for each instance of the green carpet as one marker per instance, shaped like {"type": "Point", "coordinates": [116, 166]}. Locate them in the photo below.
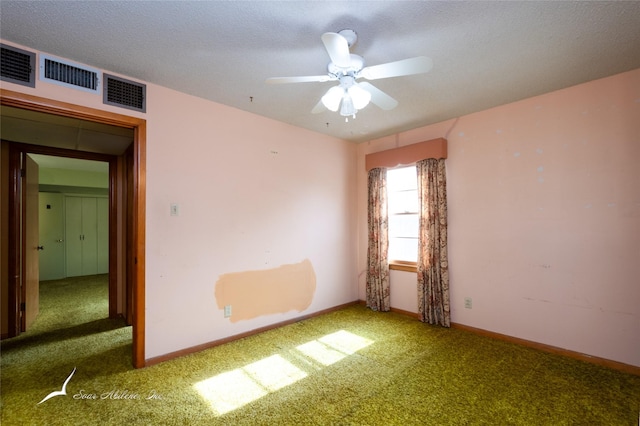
{"type": "Point", "coordinates": [350, 367]}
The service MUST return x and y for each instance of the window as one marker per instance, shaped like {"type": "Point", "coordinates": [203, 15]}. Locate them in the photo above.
{"type": "Point", "coordinates": [403, 209]}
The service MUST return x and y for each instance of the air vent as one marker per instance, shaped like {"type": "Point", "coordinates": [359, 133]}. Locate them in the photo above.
{"type": "Point", "coordinates": [124, 93]}
{"type": "Point", "coordinates": [18, 66]}
{"type": "Point", "coordinates": [68, 74]}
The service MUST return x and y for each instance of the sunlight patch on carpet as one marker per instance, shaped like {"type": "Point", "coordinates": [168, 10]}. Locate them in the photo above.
{"type": "Point", "coordinates": [228, 391]}
{"type": "Point", "coordinates": [233, 389]}
{"type": "Point", "coordinates": [334, 347]}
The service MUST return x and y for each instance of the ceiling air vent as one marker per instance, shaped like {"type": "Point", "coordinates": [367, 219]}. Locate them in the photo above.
{"type": "Point", "coordinates": [18, 66]}
{"type": "Point", "coordinates": [68, 74]}
{"type": "Point", "coordinates": [124, 93]}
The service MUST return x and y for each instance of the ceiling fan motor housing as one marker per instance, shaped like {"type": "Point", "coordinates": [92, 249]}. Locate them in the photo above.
{"type": "Point", "coordinates": [349, 35]}
{"type": "Point", "coordinates": [356, 65]}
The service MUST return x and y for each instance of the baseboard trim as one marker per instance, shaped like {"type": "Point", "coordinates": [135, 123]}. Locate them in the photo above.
{"type": "Point", "coordinates": [414, 315]}
{"type": "Point", "coordinates": [615, 365]}
{"type": "Point", "coordinates": [396, 310]}
{"type": "Point", "coordinates": [193, 349]}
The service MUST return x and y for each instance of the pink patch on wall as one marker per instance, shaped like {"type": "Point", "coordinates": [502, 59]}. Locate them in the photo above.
{"type": "Point", "coordinates": [251, 294]}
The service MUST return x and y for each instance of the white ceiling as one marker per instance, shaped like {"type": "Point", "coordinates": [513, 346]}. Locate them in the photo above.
{"type": "Point", "coordinates": [49, 162]}
{"type": "Point", "coordinates": [485, 53]}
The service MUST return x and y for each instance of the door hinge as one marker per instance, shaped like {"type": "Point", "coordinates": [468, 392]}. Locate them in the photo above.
{"type": "Point", "coordinates": [23, 307]}
{"type": "Point", "coordinates": [23, 172]}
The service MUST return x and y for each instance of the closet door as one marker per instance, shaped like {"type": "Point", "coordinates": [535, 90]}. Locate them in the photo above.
{"type": "Point", "coordinates": [103, 235]}
{"type": "Point", "coordinates": [89, 236]}
{"type": "Point", "coordinates": [73, 235]}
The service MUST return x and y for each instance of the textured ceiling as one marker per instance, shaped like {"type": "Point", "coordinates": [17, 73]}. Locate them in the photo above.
{"type": "Point", "coordinates": [484, 53]}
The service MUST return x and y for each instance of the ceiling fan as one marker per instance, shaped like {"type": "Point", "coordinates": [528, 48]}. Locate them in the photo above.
{"type": "Point", "coordinates": [349, 96]}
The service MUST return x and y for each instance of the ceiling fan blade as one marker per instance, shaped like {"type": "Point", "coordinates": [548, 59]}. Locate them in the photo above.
{"type": "Point", "coordinates": [378, 97]}
{"type": "Point", "coordinates": [306, 79]}
{"type": "Point", "coordinates": [318, 108]}
{"type": "Point", "coordinates": [417, 65]}
{"type": "Point", "coordinates": [338, 49]}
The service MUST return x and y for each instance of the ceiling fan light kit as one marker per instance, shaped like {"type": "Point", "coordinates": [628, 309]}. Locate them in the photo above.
{"type": "Point", "coordinates": [349, 96]}
{"type": "Point", "coordinates": [361, 97]}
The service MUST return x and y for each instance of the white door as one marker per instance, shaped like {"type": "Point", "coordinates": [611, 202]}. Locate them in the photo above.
{"type": "Point", "coordinates": [51, 219]}
{"type": "Point", "coordinates": [86, 235]}
{"type": "Point", "coordinates": [73, 235]}
{"type": "Point", "coordinates": [103, 235]}
{"type": "Point", "coordinates": [89, 236]}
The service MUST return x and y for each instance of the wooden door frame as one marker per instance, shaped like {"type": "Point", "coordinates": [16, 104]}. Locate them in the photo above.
{"type": "Point", "coordinates": [29, 311]}
{"type": "Point", "coordinates": [112, 160]}
{"type": "Point", "coordinates": [137, 256]}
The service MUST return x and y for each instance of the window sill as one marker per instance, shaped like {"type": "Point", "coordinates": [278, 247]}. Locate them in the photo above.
{"type": "Point", "coordinates": [398, 265]}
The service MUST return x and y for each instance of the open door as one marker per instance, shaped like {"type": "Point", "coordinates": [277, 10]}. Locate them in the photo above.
{"type": "Point", "coordinates": [134, 213]}
{"type": "Point", "coordinates": [30, 305]}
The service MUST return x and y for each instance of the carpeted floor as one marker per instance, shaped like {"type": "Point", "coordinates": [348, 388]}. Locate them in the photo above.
{"type": "Point", "coordinates": [350, 367]}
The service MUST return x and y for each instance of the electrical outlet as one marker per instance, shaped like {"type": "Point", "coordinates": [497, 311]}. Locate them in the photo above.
{"type": "Point", "coordinates": [227, 311]}
{"type": "Point", "coordinates": [468, 303]}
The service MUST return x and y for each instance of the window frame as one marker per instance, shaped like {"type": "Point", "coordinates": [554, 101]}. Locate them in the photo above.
{"type": "Point", "coordinates": [403, 265]}
{"type": "Point", "coordinates": [395, 264]}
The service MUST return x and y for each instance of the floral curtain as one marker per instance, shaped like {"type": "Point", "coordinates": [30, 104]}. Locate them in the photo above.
{"type": "Point", "coordinates": [433, 267]}
{"type": "Point", "coordinates": [378, 291]}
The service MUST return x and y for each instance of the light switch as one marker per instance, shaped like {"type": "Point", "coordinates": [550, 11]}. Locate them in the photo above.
{"type": "Point", "coordinates": [175, 210]}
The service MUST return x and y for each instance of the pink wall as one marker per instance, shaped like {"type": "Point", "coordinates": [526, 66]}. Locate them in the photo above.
{"type": "Point", "coordinates": [544, 218]}
{"type": "Point", "coordinates": [253, 194]}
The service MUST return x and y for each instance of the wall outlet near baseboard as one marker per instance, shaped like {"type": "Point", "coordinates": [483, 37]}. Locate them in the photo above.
{"type": "Point", "coordinates": [468, 303]}
{"type": "Point", "coordinates": [227, 311]}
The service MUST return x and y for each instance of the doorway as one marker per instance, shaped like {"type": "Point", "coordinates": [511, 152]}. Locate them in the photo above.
{"type": "Point", "coordinates": [73, 243]}
{"type": "Point", "coordinates": [126, 208]}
